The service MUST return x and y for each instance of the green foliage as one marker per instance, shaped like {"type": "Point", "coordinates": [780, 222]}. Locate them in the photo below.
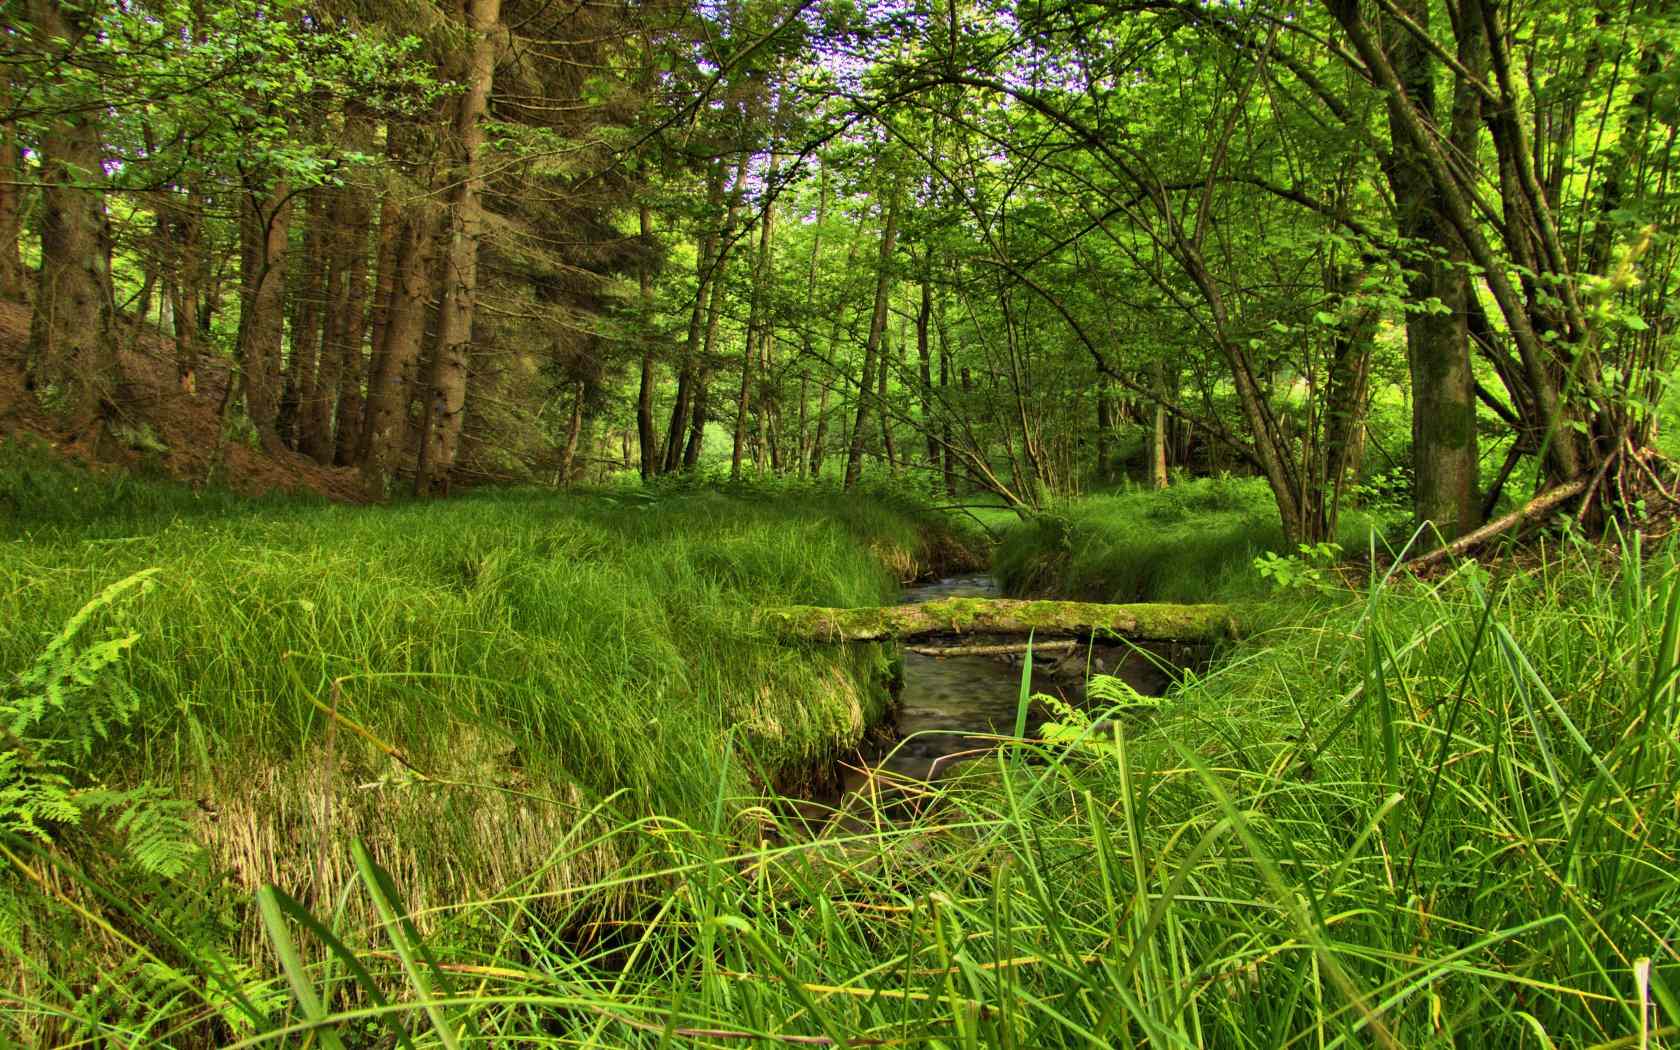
{"type": "Point", "coordinates": [1306, 571]}
{"type": "Point", "coordinates": [53, 715]}
{"type": "Point", "coordinates": [1194, 541]}
{"type": "Point", "coordinates": [423, 675]}
{"type": "Point", "coordinates": [1435, 816]}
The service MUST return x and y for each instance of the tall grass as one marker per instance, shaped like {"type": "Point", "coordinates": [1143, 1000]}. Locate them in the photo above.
{"type": "Point", "coordinates": [474, 689]}
{"type": "Point", "coordinates": [1195, 541]}
{"type": "Point", "coordinates": [1441, 815]}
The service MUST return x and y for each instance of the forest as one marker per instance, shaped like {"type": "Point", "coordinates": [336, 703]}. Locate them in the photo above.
{"type": "Point", "coordinates": [827, 523]}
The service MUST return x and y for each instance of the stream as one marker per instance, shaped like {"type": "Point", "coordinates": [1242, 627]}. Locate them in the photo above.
{"type": "Point", "coordinates": [951, 709]}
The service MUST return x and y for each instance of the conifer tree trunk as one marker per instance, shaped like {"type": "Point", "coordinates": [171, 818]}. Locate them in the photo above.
{"type": "Point", "coordinates": [647, 441]}
{"type": "Point", "coordinates": [446, 394]}
{"type": "Point", "coordinates": [877, 328]}
{"type": "Point", "coordinates": [350, 322]}
{"type": "Point", "coordinates": [186, 215]}
{"type": "Point", "coordinates": [385, 421]}
{"type": "Point", "coordinates": [71, 360]}
{"type": "Point", "coordinates": [264, 225]}
{"type": "Point", "coordinates": [391, 221]}
{"type": "Point", "coordinates": [574, 428]}
{"type": "Point", "coordinates": [299, 415]}
{"type": "Point", "coordinates": [13, 281]}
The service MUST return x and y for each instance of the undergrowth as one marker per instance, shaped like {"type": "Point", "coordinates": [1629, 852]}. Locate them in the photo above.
{"type": "Point", "coordinates": [1194, 541]}
{"type": "Point", "coordinates": [478, 690]}
{"type": "Point", "coordinates": [1443, 815]}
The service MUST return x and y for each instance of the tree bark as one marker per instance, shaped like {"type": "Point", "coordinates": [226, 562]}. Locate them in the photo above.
{"type": "Point", "coordinates": [299, 414]}
{"type": "Point", "coordinates": [924, 356]}
{"type": "Point", "coordinates": [71, 361]}
{"type": "Point", "coordinates": [708, 267]}
{"type": "Point", "coordinates": [1444, 454]}
{"type": "Point", "coordinates": [385, 422]}
{"type": "Point", "coordinates": [446, 395]}
{"type": "Point", "coordinates": [697, 424]}
{"type": "Point", "coordinates": [349, 323]}
{"type": "Point", "coordinates": [877, 327]}
{"type": "Point", "coordinates": [264, 227]}
{"type": "Point", "coordinates": [647, 440]}
{"type": "Point", "coordinates": [13, 278]}
{"type": "Point", "coordinates": [574, 428]}
{"type": "Point", "coordinates": [755, 319]}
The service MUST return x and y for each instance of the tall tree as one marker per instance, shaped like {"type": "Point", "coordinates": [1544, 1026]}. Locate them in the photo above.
{"type": "Point", "coordinates": [446, 393]}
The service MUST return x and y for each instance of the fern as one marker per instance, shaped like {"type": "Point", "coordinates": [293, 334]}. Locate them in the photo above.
{"type": "Point", "coordinates": [53, 715]}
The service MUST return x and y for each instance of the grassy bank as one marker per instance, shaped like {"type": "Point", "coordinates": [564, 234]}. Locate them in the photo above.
{"type": "Point", "coordinates": [474, 689]}
{"type": "Point", "coordinates": [1195, 541]}
{"type": "Point", "coordinates": [1440, 815]}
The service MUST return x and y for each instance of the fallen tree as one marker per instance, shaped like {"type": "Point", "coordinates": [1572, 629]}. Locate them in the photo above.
{"type": "Point", "coordinates": [982, 616]}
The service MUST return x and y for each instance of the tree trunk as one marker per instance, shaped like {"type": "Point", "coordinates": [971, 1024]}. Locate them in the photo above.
{"type": "Point", "coordinates": [574, 427]}
{"type": "Point", "coordinates": [697, 425]}
{"type": "Point", "coordinates": [349, 322]}
{"type": "Point", "coordinates": [1158, 430]}
{"type": "Point", "coordinates": [708, 267]}
{"type": "Point", "coordinates": [264, 227]}
{"type": "Point", "coordinates": [755, 319]}
{"type": "Point", "coordinates": [71, 361]}
{"type": "Point", "coordinates": [1444, 455]}
{"type": "Point", "coordinates": [385, 421]}
{"type": "Point", "coordinates": [877, 327]}
{"type": "Point", "coordinates": [948, 465]}
{"type": "Point", "coordinates": [446, 395]}
{"type": "Point", "coordinates": [647, 439]}
{"type": "Point", "coordinates": [13, 279]}
{"type": "Point", "coordinates": [311, 290]}
{"type": "Point", "coordinates": [924, 356]}
{"type": "Point", "coordinates": [889, 451]}
{"type": "Point", "coordinates": [391, 222]}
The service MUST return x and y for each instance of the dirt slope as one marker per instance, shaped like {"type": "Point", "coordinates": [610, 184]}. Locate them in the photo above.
{"type": "Point", "coordinates": [152, 410]}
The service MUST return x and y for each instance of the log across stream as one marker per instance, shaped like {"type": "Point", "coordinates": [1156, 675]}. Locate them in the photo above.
{"type": "Point", "coordinates": [952, 708]}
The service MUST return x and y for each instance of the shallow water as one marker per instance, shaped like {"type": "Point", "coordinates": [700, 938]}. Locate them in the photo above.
{"type": "Point", "coordinates": [953, 708]}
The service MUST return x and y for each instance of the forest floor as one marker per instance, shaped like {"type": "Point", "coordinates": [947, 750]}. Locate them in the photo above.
{"type": "Point", "coordinates": [542, 727]}
{"type": "Point", "coordinates": [158, 426]}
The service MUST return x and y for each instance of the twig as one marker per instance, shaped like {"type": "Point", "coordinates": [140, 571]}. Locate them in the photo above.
{"type": "Point", "coordinates": [1603, 469]}
{"type": "Point", "coordinates": [1634, 455]}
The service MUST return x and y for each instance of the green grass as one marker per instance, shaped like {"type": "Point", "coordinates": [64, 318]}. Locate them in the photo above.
{"type": "Point", "coordinates": [1441, 815]}
{"type": "Point", "coordinates": [1433, 815]}
{"type": "Point", "coordinates": [1430, 814]}
{"type": "Point", "coordinates": [1195, 541]}
{"type": "Point", "coordinates": [459, 685]}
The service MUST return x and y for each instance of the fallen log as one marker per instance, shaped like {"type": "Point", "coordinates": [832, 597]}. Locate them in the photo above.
{"type": "Point", "coordinates": [968, 616]}
{"type": "Point", "coordinates": [1534, 508]}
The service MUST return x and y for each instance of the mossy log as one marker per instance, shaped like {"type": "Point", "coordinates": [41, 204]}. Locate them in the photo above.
{"type": "Point", "coordinates": [971, 616]}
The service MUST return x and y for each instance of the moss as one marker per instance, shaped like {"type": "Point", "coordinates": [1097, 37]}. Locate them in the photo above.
{"type": "Point", "coordinates": [1165, 622]}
